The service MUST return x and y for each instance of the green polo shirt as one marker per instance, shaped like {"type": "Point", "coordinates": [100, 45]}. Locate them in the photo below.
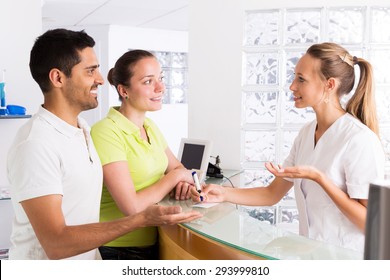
{"type": "Point", "coordinates": [118, 139]}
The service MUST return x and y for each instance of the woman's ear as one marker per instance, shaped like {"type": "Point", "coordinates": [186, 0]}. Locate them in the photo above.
{"type": "Point", "coordinates": [331, 84]}
{"type": "Point", "coordinates": [122, 91]}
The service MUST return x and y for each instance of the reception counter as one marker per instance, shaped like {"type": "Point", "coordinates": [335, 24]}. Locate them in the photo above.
{"type": "Point", "coordinates": [225, 232]}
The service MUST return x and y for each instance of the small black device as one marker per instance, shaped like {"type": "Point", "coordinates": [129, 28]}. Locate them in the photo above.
{"type": "Point", "coordinates": [194, 154]}
{"type": "Point", "coordinates": [214, 171]}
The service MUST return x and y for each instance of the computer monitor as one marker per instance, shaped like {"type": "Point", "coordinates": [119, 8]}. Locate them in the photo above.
{"type": "Point", "coordinates": [194, 154]}
{"type": "Point", "coordinates": [377, 236]}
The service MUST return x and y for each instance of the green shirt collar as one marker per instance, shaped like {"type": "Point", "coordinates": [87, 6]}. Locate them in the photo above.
{"type": "Point", "coordinates": [124, 123]}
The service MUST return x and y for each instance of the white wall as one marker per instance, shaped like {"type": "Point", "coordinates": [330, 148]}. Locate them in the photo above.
{"type": "Point", "coordinates": [19, 29]}
{"type": "Point", "coordinates": [214, 102]}
{"type": "Point", "coordinates": [215, 52]}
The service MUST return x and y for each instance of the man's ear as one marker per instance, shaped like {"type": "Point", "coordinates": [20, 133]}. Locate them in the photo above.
{"type": "Point", "coordinates": [56, 77]}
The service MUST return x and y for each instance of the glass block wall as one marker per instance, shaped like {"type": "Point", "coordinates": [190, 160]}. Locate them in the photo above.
{"type": "Point", "coordinates": [273, 42]}
{"type": "Point", "coordinates": [175, 68]}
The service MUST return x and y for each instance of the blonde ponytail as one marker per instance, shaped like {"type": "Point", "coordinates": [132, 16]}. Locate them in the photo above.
{"type": "Point", "coordinates": [336, 62]}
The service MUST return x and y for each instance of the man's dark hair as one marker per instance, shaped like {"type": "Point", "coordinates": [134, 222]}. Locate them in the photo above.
{"type": "Point", "coordinates": [57, 48]}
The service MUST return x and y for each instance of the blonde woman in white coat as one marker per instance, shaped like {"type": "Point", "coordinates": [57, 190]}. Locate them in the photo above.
{"type": "Point", "coordinates": [333, 159]}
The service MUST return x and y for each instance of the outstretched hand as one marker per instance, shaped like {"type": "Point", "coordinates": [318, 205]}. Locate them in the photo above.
{"type": "Point", "coordinates": [157, 215]}
{"type": "Point", "coordinates": [303, 171]}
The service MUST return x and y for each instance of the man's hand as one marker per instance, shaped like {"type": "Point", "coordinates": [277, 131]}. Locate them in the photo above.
{"type": "Point", "coordinates": [157, 215]}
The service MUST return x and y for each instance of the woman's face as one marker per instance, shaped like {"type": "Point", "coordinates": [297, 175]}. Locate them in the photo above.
{"type": "Point", "coordinates": [308, 88]}
{"type": "Point", "coordinates": [146, 85]}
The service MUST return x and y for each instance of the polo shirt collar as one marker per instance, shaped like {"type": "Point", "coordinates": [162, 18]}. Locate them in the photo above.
{"type": "Point", "coordinates": [60, 125]}
{"type": "Point", "coordinates": [124, 123]}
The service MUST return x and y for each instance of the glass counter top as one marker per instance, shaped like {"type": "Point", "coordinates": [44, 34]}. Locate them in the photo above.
{"type": "Point", "coordinates": [230, 226]}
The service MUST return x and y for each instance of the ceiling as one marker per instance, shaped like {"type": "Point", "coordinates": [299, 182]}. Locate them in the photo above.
{"type": "Point", "coordinates": [158, 14]}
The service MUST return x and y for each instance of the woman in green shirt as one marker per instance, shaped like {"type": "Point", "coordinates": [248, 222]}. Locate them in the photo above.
{"type": "Point", "coordinates": [138, 166]}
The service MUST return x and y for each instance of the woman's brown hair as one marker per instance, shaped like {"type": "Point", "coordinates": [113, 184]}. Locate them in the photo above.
{"type": "Point", "coordinates": [123, 69]}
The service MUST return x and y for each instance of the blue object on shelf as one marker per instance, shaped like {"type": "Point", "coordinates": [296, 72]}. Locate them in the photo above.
{"type": "Point", "coordinates": [16, 110]}
{"type": "Point", "coordinates": [3, 111]}
{"type": "Point", "coordinates": [2, 94]}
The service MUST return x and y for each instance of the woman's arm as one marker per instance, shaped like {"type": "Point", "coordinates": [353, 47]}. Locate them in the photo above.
{"type": "Point", "coordinates": [355, 210]}
{"type": "Point", "coordinates": [119, 183]}
{"type": "Point", "coordinates": [173, 162]}
{"type": "Point", "coordinates": [182, 190]}
{"type": "Point", "coordinates": [259, 196]}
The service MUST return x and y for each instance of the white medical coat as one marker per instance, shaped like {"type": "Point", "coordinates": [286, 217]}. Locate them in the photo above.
{"type": "Point", "coordinates": [351, 155]}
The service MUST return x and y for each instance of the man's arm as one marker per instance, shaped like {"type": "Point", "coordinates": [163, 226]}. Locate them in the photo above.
{"type": "Point", "coordinates": [61, 241]}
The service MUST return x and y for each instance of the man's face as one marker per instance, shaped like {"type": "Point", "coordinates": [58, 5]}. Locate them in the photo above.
{"type": "Point", "coordinates": [81, 87]}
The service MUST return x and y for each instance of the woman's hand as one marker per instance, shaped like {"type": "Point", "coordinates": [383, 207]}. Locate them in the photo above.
{"type": "Point", "coordinates": [305, 172]}
{"type": "Point", "coordinates": [210, 193]}
{"type": "Point", "coordinates": [182, 191]}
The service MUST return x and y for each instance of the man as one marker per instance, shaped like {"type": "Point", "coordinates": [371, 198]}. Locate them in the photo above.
{"type": "Point", "coordinates": [53, 168]}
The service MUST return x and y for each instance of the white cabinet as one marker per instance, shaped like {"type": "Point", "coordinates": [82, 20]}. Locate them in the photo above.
{"type": "Point", "coordinates": [7, 214]}
{"type": "Point", "coordinates": [9, 126]}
